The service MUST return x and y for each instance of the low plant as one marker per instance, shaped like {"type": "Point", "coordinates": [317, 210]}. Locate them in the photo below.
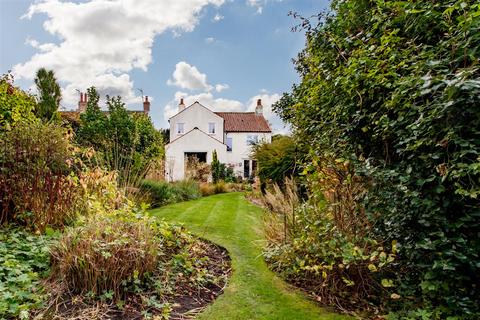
{"type": "Point", "coordinates": [186, 190]}
{"type": "Point", "coordinates": [24, 261]}
{"type": "Point", "coordinates": [158, 193]}
{"type": "Point", "coordinates": [207, 189]}
{"type": "Point", "coordinates": [108, 252]}
{"type": "Point", "coordinates": [220, 187]}
{"type": "Point", "coordinates": [38, 182]}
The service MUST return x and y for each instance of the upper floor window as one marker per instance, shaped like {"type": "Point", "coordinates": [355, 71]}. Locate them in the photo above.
{"type": "Point", "coordinates": [180, 128]}
{"type": "Point", "coordinates": [229, 143]}
{"type": "Point", "coordinates": [211, 127]}
{"type": "Point", "coordinates": [252, 140]}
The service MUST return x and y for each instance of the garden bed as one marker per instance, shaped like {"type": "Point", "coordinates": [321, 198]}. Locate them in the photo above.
{"type": "Point", "coordinates": [182, 298]}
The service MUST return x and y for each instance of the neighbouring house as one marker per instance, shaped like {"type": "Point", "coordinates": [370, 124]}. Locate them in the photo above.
{"type": "Point", "coordinates": [73, 117]}
{"type": "Point", "coordinates": [196, 131]}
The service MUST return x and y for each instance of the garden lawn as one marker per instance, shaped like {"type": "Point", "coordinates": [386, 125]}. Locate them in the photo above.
{"type": "Point", "coordinates": [253, 292]}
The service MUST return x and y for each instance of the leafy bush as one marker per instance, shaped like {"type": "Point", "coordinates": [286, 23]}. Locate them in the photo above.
{"type": "Point", "coordinates": [38, 186]}
{"type": "Point", "coordinates": [278, 159]}
{"type": "Point", "coordinates": [15, 105]}
{"type": "Point", "coordinates": [24, 261]}
{"type": "Point", "coordinates": [391, 89]}
{"type": "Point", "coordinates": [159, 192]}
{"type": "Point", "coordinates": [186, 190]}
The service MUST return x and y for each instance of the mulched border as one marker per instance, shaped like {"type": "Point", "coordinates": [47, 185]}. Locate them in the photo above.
{"type": "Point", "coordinates": [187, 302]}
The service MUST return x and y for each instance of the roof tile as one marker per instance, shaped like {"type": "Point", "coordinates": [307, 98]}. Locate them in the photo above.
{"type": "Point", "coordinates": [244, 122]}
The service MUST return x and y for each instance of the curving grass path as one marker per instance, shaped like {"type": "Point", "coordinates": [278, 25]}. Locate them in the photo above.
{"type": "Point", "coordinates": [254, 292]}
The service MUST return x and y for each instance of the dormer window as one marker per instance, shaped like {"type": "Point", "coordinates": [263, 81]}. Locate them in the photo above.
{"type": "Point", "coordinates": [180, 128]}
{"type": "Point", "coordinates": [211, 128]}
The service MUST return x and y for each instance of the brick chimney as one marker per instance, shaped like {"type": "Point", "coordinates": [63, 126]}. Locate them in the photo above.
{"type": "Point", "coordinates": [259, 107]}
{"type": "Point", "coordinates": [82, 104]}
{"type": "Point", "coordinates": [181, 105]}
{"type": "Point", "coordinates": [146, 105]}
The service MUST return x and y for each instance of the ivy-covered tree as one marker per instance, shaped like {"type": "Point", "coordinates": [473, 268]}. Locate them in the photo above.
{"type": "Point", "coordinates": [49, 95]}
{"type": "Point", "coordinates": [392, 88]}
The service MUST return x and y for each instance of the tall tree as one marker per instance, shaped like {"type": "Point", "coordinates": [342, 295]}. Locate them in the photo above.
{"type": "Point", "coordinates": [49, 94]}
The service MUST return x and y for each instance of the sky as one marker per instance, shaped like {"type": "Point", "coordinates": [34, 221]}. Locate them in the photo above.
{"type": "Point", "coordinates": [225, 54]}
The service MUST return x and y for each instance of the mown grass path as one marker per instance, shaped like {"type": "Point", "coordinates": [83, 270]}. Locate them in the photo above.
{"type": "Point", "coordinates": [253, 292]}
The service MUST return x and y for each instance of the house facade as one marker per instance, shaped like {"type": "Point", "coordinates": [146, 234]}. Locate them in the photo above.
{"type": "Point", "coordinates": [198, 131]}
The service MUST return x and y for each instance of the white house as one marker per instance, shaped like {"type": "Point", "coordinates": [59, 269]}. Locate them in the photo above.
{"type": "Point", "coordinates": [197, 131]}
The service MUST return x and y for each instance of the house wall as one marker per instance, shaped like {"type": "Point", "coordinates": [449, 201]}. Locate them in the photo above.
{"type": "Point", "coordinates": [241, 150]}
{"type": "Point", "coordinates": [194, 141]}
{"type": "Point", "coordinates": [196, 116]}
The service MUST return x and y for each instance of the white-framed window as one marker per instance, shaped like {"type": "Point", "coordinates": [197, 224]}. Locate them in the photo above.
{"type": "Point", "coordinates": [211, 127]}
{"type": "Point", "coordinates": [229, 143]}
{"type": "Point", "coordinates": [180, 128]}
{"type": "Point", "coordinates": [252, 139]}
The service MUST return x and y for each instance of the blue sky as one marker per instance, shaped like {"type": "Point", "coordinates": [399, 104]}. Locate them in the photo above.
{"type": "Point", "coordinates": [223, 53]}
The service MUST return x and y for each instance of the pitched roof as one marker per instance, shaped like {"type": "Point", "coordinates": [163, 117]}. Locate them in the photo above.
{"type": "Point", "coordinates": [244, 122]}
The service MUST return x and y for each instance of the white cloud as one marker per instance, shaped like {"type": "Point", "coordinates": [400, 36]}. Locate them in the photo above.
{"type": "Point", "coordinates": [221, 87]}
{"type": "Point", "coordinates": [217, 17]}
{"type": "Point", "coordinates": [188, 77]}
{"type": "Point", "coordinates": [260, 4]}
{"type": "Point", "coordinates": [210, 40]}
{"type": "Point", "coordinates": [101, 41]}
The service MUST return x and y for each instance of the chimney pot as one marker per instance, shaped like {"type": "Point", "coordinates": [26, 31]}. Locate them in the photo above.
{"type": "Point", "coordinates": [82, 104]}
{"type": "Point", "coordinates": [259, 107]}
{"type": "Point", "coordinates": [146, 105]}
{"type": "Point", "coordinates": [181, 105]}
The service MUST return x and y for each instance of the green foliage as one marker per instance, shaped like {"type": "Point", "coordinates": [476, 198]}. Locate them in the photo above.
{"type": "Point", "coordinates": [24, 261]}
{"type": "Point", "coordinates": [393, 88]}
{"type": "Point", "coordinates": [186, 190]}
{"type": "Point", "coordinates": [124, 141]}
{"type": "Point", "coordinates": [277, 160]}
{"type": "Point", "coordinates": [161, 193]}
{"type": "Point", "coordinates": [215, 167]}
{"type": "Point", "coordinates": [15, 104]}
{"type": "Point", "coordinates": [38, 185]}
{"type": "Point", "coordinates": [49, 97]}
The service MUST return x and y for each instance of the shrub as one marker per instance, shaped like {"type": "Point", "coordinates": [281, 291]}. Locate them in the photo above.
{"type": "Point", "coordinates": [15, 105]}
{"type": "Point", "coordinates": [38, 186]}
{"type": "Point", "coordinates": [278, 159]}
{"type": "Point", "coordinates": [24, 261]}
{"type": "Point", "coordinates": [220, 187]}
{"type": "Point", "coordinates": [207, 189]}
{"type": "Point", "coordinates": [108, 252]}
{"type": "Point", "coordinates": [186, 190]}
{"type": "Point", "coordinates": [159, 192]}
